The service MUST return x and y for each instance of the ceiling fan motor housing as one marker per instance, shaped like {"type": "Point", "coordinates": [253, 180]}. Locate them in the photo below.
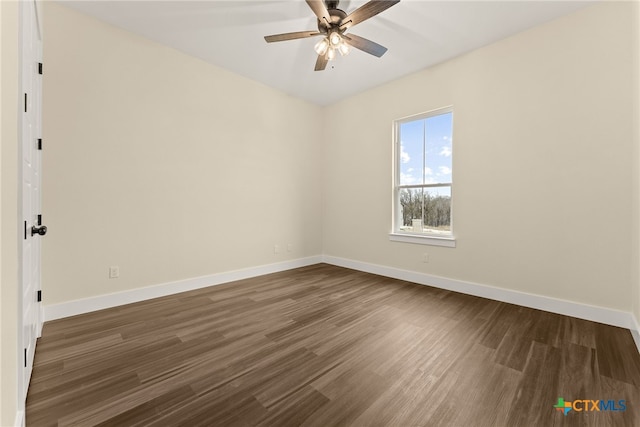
{"type": "Point", "coordinates": [337, 15]}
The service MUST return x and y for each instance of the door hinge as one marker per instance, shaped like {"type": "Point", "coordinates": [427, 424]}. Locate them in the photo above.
{"type": "Point", "coordinates": [25, 230]}
{"type": "Point", "coordinates": [39, 143]}
{"type": "Point", "coordinates": [25, 357]}
{"type": "Point", "coordinates": [39, 296]}
{"type": "Point", "coordinates": [39, 67]}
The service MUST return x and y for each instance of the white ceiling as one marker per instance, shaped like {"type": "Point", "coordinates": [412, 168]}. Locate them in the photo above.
{"type": "Point", "coordinates": [229, 34]}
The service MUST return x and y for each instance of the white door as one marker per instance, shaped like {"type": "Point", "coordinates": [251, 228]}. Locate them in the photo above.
{"type": "Point", "coordinates": [30, 170]}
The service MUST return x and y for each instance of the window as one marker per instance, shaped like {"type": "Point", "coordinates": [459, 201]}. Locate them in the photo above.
{"type": "Point", "coordinates": [423, 178]}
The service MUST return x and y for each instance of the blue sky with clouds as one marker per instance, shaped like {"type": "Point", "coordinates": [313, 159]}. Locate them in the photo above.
{"type": "Point", "coordinates": [428, 163]}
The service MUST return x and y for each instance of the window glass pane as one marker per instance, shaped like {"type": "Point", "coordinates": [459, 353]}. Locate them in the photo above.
{"type": "Point", "coordinates": [425, 210]}
{"type": "Point", "coordinates": [411, 208]}
{"type": "Point", "coordinates": [438, 156]}
{"type": "Point", "coordinates": [411, 154]}
{"type": "Point", "coordinates": [437, 210]}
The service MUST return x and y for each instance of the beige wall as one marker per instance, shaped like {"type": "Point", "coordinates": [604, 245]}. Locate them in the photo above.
{"type": "Point", "coordinates": [166, 166]}
{"type": "Point", "coordinates": [542, 163]}
{"type": "Point", "coordinates": [9, 211]}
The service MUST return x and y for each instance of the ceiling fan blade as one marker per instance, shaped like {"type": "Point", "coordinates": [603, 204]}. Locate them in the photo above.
{"type": "Point", "coordinates": [364, 45]}
{"type": "Point", "coordinates": [366, 11]}
{"type": "Point", "coordinates": [320, 10]}
{"type": "Point", "coordinates": [321, 62]}
{"type": "Point", "coordinates": [290, 36]}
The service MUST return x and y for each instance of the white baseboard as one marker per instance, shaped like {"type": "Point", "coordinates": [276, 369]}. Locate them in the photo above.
{"type": "Point", "coordinates": [569, 308]}
{"type": "Point", "coordinates": [100, 302]}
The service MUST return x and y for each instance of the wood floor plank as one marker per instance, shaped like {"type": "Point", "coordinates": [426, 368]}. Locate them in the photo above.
{"type": "Point", "coordinates": [537, 387]}
{"type": "Point", "coordinates": [152, 410]}
{"type": "Point", "coordinates": [294, 409]}
{"type": "Point", "coordinates": [329, 346]}
{"type": "Point", "coordinates": [615, 354]}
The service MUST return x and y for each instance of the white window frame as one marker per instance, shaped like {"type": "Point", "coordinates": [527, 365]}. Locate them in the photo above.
{"type": "Point", "coordinates": [424, 238]}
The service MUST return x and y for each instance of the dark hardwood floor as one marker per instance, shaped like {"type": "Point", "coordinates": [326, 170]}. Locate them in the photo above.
{"type": "Point", "coordinates": [328, 346]}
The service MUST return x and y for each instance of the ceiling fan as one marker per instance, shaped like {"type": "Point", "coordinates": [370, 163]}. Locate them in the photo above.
{"type": "Point", "coordinates": [332, 26]}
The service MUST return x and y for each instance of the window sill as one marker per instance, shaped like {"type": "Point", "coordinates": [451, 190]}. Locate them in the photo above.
{"type": "Point", "coordinates": [420, 239]}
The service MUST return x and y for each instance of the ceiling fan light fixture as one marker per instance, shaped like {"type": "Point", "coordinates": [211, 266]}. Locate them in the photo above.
{"type": "Point", "coordinates": [344, 49]}
{"type": "Point", "coordinates": [322, 46]}
{"type": "Point", "coordinates": [335, 39]}
{"type": "Point", "coordinates": [331, 54]}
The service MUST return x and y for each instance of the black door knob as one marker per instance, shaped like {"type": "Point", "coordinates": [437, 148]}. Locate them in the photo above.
{"type": "Point", "coordinates": [42, 230]}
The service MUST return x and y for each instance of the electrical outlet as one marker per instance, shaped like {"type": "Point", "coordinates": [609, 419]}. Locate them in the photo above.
{"type": "Point", "coordinates": [276, 249]}
{"type": "Point", "coordinates": [290, 247]}
{"type": "Point", "coordinates": [114, 272]}
{"type": "Point", "coordinates": [425, 258]}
